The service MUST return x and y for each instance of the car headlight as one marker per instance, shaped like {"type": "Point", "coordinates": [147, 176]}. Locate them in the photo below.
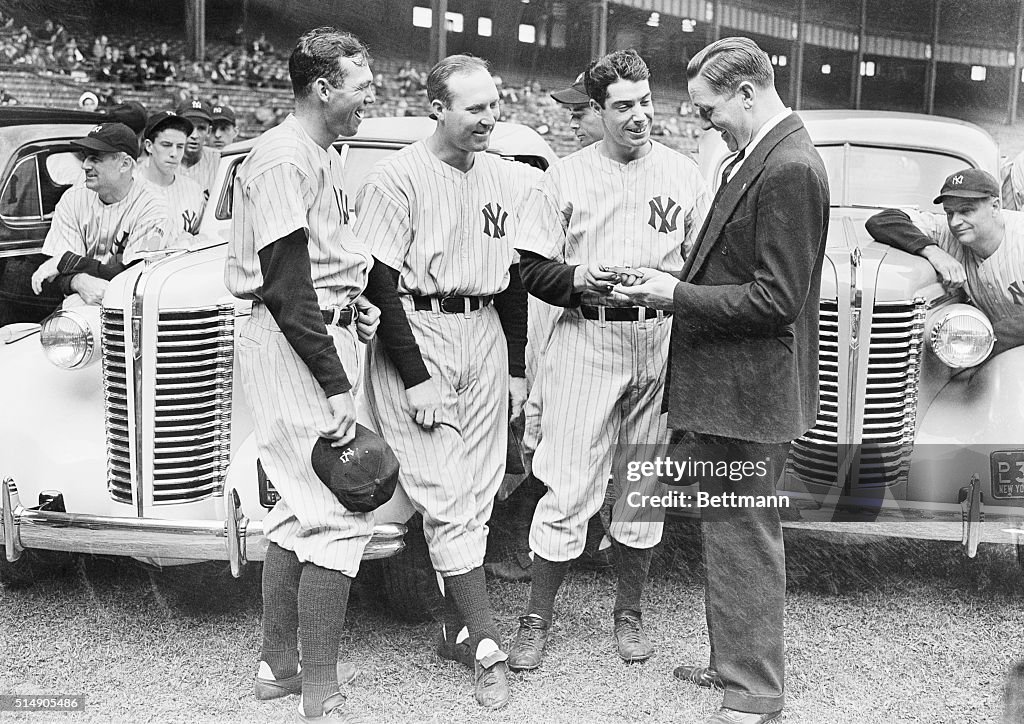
{"type": "Point", "coordinates": [961, 336]}
{"type": "Point", "coordinates": [68, 339]}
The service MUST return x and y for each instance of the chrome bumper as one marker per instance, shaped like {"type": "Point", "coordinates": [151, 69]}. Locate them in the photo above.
{"type": "Point", "coordinates": [235, 539]}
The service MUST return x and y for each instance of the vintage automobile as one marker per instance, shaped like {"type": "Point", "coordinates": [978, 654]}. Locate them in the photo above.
{"type": "Point", "coordinates": [920, 433]}
{"type": "Point", "coordinates": [150, 454]}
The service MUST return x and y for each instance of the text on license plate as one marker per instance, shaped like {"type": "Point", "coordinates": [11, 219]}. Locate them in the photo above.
{"type": "Point", "coordinates": [1007, 474]}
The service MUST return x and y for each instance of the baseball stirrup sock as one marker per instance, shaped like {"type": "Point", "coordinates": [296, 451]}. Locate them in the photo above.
{"type": "Point", "coordinates": [547, 579]}
{"type": "Point", "coordinates": [323, 598]}
{"type": "Point", "coordinates": [281, 572]}
{"type": "Point", "coordinates": [469, 590]}
{"type": "Point", "coordinates": [631, 565]}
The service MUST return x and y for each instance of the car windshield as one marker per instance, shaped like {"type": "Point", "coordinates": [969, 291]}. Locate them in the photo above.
{"type": "Point", "coordinates": [886, 177]}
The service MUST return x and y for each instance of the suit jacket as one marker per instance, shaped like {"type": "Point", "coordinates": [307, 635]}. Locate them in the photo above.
{"type": "Point", "coordinates": [744, 355]}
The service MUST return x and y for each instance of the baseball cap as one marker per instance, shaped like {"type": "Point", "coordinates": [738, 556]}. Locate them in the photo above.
{"type": "Point", "coordinates": [132, 114]}
{"type": "Point", "coordinates": [194, 108]}
{"type": "Point", "coordinates": [166, 119]}
{"type": "Point", "coordinates": [223, 114]}
{"type": "Point", "coordinates": [971, 183]}
{"type": "Point", "coordinates": [574, 95]}
{"type": "Point", "coordinates": [362, 474]}
{"type": "Point", "coordinates": [110, 138]}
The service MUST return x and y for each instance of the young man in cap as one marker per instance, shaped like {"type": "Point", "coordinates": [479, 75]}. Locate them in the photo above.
{"type": "Point", "coordinates": [98, 227]}
{"type": "Point", "coordinates": [164, 143]}
{"type": "Point", "coordinates": [224, 127]}
{"type": "Point", "coordinates": [292, 252]}
{"type": "Point", "coordinates": [975, 243]}
{"type": "Point", "coordinates": [199, 162]}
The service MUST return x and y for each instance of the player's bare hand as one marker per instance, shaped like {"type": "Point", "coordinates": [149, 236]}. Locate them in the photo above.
{"type": "Point", "coordinates": [594, 278]}
{"type": "Point", "coordinates": [45, 273]}
{"type": "Point", "coordinates": [654, 289]}
{"type": "Point", "coordinates": [424, 404]}
{"type": "Point", "coordinates": [90, 288]}
{"type": "Point", "coordinates": [367, 319]}
{"type": "Point", "coordinates": [342, 427]}
{"type": "Point", "coordinates": [516, 396]}
{"type": "Point", "coordinates": [625, 275]}
{"type": "Point", "coordinates": [950, 271]}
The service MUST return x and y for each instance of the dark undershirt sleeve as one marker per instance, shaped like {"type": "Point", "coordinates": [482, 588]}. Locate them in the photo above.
{"type": "Point", "coordinates": [394, 331]}
{"type": "Point", "coordinates": [511, 307]}
{"type": "Point", "coordinates": [549, 281]}
{"type": "Point", "coordinates": [289, 295]}
{"type": "Point", "coordinates": [894, 227]}
{"type": "Point", "coordinates": [72, 264]}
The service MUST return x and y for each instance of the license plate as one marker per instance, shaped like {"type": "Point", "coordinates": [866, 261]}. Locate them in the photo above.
{"type": "Point", "coordinates": [1007, 474]}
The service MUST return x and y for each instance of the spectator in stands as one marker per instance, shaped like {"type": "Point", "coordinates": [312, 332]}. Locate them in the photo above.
{"type": "Point", "coordinates": [45, 32]}
{"type": "Point", "coordinates": [263, 45]}
{"type": "Point", "coordinates": [160, 62]}
{"type": "Point", "coordinates": [88, 101]}
{"type": "Point", "coordinates": [143, 74]}
{"type": "Point", "coordinates": [70, 59]}
{"type": "Point", "coordinates": [99, 47]}
{"type": "Point", "coordinates": [223, 126]}
{"type": "Point", "coordinates": [131, 56]}
{"type": "Point", "coordinates": [50, 59]}
{"type": "Point", "coordinates": [108, 97]}
{"type": "Point", "coordinates": [6, 99]}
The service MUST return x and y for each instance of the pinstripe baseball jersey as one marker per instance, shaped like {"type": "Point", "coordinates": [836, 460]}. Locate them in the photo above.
{"type": "Point", "coordinates": [996, 284]}
{"type": "Point", "coordinates": [462, 222]}
{"type": "Point", "coordinates": [85, 225]}
{"type": "Point", "coordinates": [204, 171]}
{"type": "Point", "coordinates": [185, 202]}
{"type": "Point", "coordinates": [288, 182]}
{"type": "Point", "coordinates": [591, 209]}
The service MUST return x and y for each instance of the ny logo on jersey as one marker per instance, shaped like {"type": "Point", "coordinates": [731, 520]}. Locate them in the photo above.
{"type": "Point", "coordinates": [663, 216]}
{"type": "Point", "coordinates": [191, 220]}
{"type": "Point", "coordinates": [117, 248]}
{"type": "Point", "coordinates": [1016, 293]}
{"type": "Point", "coordinates": [494, 221]}
{"type": "Point", "coordinates": [342, 199]}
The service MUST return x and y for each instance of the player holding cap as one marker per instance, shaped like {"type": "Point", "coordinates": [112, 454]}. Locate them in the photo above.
{"type": "Point", "coordinates": [439, 216]}
{"type": "Point", "coordinates": [164, 142]}
{"type": "Point", "coordinates": [625, 202]}
{"type": "Point", "coordinates": [975, 243]}
{"type": "Point", "coordinates": [199, 162]}
{"type": "Point", "coordinates": [98, 227]}
{"type": "Point", "coordinates": [292, 252]}
{"type": "Point", "coordinates": [223, 127]}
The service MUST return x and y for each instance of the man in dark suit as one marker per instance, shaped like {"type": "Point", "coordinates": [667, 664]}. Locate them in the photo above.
{"type": "Point", "coordinates": [744, 358]}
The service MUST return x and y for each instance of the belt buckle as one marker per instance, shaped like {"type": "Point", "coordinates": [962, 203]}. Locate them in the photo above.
{"type": "Point", "coordinates": [442, 304]}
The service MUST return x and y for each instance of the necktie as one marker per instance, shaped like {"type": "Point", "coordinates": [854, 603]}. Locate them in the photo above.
{"type": "Point", "coordinates": [729, 167]}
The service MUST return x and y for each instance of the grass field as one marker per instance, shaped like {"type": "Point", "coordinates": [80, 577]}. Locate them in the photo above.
{"type": "Point", "coordinates": [888, 631]}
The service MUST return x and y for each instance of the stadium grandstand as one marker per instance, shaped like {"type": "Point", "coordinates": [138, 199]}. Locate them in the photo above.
{"type": "Point", "coordinates": [959, 58]}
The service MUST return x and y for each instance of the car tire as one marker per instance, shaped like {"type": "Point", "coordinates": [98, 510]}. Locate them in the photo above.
{"type": "Point", "coordinates": [407, 580]}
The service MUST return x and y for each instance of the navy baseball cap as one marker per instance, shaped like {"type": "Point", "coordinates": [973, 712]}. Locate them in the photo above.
{"type": "Point", "coordinates": [574, 95]}
{"type": "Point", "coordinates": [223, 114]}
{"type": "Point", "coordinates": [132, 114]}
{"type": "Point", "coordinates": [195, 108]}
{"type": "Point", "coordinates": [362, 474]}
{"type": "Point", "coordinates": [167, 119]}
{"type": "Point", "coordinates": [971, 183]}
{"type": "Point", "coordinates": [110, 138]}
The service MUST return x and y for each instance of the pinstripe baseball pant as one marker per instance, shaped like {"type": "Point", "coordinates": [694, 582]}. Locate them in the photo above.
{"type": "Point", "coordinates": [288, 406]}
{"type": "Point", "coordinates": [602, 385]}
{"type": "Point", "coordinates": [451, 473]}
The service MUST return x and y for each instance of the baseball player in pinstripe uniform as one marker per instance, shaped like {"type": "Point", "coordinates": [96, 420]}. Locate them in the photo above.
{"type": "Point", "coordinates": [975, 243]}
{"type": "Point", "coordinates": [624, 202]}
{"type": "Point", "coordinates": [293, 253]}
{"type": "Point", "coordinates": [99, 226]}
{"type": "Point", "coordinates": [199, 162]}
{"type": "Point", "coordinates": [439, 216]}
{"type": "Point", "coordinates": [164, 141]}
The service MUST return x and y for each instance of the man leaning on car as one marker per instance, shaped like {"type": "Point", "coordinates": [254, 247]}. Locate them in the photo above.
{"type": "Point", "coordinates": [976, 243]}
{"type": "Point", "coordinates": [99, 226]}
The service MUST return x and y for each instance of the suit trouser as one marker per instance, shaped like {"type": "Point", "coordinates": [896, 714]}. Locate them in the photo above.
{"type": "Point", "coordinates": [745, 569]}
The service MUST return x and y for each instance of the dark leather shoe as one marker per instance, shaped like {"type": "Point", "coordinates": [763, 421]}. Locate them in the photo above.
{"type": "Point", "coordinates": [731, 716]}
{"type": "Point", "coordinates": [459, 653]}
{"type": "Point", "coordinates": [700, 675]}
{"type": "Point", "coordinates": [528, 648]}
{"type": "Point", "coordinates": [490, 680]}
{"type": "Point", "coordinates": [334, 710]}
{"type": "Point", "coordinates": [630, 638]}
{"type": "Point", "coordinates": [270, 688]}
{"type": "Point", "coordinates": [517, 570]}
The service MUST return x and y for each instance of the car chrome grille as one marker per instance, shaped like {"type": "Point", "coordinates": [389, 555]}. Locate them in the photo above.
{"type": "Point", "coordinates": [889, 404]}
{"type": "Point", "coordinates": [192, 404]}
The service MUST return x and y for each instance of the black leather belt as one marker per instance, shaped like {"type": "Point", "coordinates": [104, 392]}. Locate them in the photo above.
{"type": "Point", "coordinates": [451, 305]}
{"type": "Point", "coordinates": [340, 316]}
{"type": "Point", "coordinates": [621, 314]}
